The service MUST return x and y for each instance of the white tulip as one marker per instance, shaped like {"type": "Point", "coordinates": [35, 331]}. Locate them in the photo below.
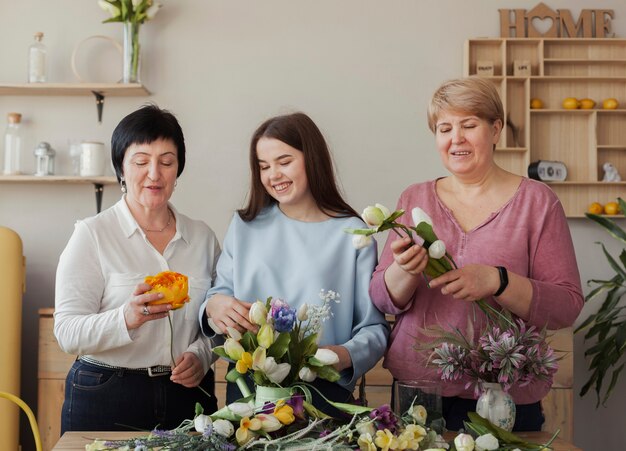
{"type": "Point", "coordinates": [385, 210]}
{"type": "Point", "coordinates": [419, 216]}
{"type": "Point", "coordinates": [269, 423]}
{"type": "Point", "coordinates": [153, 10]}
{"type": "Point", "coordinates": [486, 442]}
{"type": "Point", "coordinates": [258, 359]}
{"type": "Point", "coordinates": [233, 349]}
{"type": "Point", "coordinates": [223, 428]}
{"type": "Point", "coordinates": [201, 422]}
{"type": "Point", "coordinates": [243, 409]}
{"type": "Point", "coordinates": [437, 249]}
{"type": "Point", "coordinates": [326, 356]}
{"type": "Point", "coordinates": [276, 372]}
{"type": "Point", "coordinates": [464, 442]}
{"type": "Point", "coordinates": [108, 7]}
{"type": "Point", "coordinates": [307, 374]}
{"type": "Point", "coordinates": [136, 3]}
{"type": "Point", "coordinates": [258, 313]}
{"type": "Point", "coordinates": [361, 241]}
{"type": "Point", "coordinates": [303, 312]}
{"type": "Point", "coordinates": [233, 333]}
{"type": "Point", "coordinates": [418, 413]}
{"type": "Point", "coordinates": [373, 216]}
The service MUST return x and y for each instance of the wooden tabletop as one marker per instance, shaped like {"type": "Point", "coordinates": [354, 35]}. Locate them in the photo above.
{"type": "Point", "coordinates": [76, 441]}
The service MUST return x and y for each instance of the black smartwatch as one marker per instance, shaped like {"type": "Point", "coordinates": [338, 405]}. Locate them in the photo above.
{"type": "Point", "coordinates": [504, 280]}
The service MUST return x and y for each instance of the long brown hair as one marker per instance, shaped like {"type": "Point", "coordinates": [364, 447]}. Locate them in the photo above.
{"type": "Point", "coordinates": [300, 132]}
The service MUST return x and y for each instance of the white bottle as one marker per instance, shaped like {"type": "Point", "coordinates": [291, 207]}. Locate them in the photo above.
{"type": "Point", "coordinates": [13, 143]}
{"type": "Point", "coordinates": [37, 60]}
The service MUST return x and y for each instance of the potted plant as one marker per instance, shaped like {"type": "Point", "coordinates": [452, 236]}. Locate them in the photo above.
{"type": "Point", "coordinates": [608, 325]}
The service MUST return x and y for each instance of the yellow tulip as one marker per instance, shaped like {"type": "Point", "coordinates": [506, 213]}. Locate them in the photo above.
{"type": "Point", "coordinates": [245, 363]}
{"type": "Point", "coordinates": [174, 287]}
{"type": "Point", "coordinates": [284, 413]}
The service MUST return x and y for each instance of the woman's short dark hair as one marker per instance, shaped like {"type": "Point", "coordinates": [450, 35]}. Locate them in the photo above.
{"type": "Point", "coordinates": [300, 132]}
{"type": "Point", "coordinates": [144, 126]}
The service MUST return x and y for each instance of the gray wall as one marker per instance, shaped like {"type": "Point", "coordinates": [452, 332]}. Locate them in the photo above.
{"type": "Point", "coordinates": [363, 69]}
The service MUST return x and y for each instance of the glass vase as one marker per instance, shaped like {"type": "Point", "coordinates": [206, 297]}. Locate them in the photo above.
{"type": "Point", "coordinates": [496, 405]}
{"type": "Point", "coordinates": [270, 394]}
{"type": "Point", "coordinates": [132, 53]}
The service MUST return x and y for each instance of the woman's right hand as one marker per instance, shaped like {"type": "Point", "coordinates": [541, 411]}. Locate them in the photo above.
{"type": "Point", "coordinates": [135, 310]}
{"type": "Point", "coordinates": [412, 259]}
{"type": "Point", "coordinates": [227, 311]}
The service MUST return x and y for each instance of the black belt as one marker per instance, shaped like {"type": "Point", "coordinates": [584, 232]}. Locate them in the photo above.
{"type": "Point", "coordinates": [153, 371]}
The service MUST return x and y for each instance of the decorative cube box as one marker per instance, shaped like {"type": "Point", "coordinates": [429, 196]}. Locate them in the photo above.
{"type": "Point", "coordinates": [484, 68]}
{"type": "Point", "coordinates": [521, 68]}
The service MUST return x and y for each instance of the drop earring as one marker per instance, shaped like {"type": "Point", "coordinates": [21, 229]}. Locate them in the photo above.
{"type": "Point", "coordinates": [123, 185]}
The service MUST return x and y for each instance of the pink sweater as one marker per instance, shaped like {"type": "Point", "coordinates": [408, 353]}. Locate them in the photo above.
{"type": "Point", "coordinates": [529, 236]}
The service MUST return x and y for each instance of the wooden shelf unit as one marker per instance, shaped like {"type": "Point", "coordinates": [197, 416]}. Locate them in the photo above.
{"type": "Point", "coordinates": [73, 89]}
{"type": "Point", "coordinates": [583, 139]}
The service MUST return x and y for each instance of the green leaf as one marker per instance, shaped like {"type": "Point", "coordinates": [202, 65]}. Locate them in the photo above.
{"type": "Point", "coordinates": [609, 225]}
{"type": "Point", "coordinates": [502, 435]}
{"type": "Point", "coordinates": [425, 231]}
{"type": "Point", "coordinates": [395, 215]}
{"type": "Point", "coordinates": [327, 372]}
{"type": "Point", "coordinates": [614, 379]}
{"type": "Point", "coordinates": [280, 346]}
{"type": "Point", "coordinates": [616, 267]}
{"type": "Point", "coordinates": [220, 352]}
{"type": "Point", "coordinates": [249, 341]}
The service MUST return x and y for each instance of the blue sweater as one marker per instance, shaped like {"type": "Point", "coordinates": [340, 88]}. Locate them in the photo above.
{"type": "Point", "coordinates": [277, 256]}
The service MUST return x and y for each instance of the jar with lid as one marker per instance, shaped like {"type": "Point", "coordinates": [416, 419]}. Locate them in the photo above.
{"type": "Point", "coordinates": [37, 60]}
{"type": "Point", "coordinates": [13, 142]}
{"type": "Point", "coordinates": [44, 159]}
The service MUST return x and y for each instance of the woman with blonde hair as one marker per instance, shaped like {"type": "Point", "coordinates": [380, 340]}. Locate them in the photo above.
{"type": "Point", "coordinates": [508, 236]}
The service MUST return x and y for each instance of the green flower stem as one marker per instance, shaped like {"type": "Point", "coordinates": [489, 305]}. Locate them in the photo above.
{"type": "Point", "coordinates": [169, 318]}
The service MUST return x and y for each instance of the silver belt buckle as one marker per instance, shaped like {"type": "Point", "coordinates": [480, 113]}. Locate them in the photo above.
{"type": "Point", "coordinates": [154, 373]}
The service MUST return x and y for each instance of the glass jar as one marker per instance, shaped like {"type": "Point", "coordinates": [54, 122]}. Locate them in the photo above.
{"type": "Point", "coordinates": [13, 142]}
{"type": "Point", "coordinates": [37, 60]}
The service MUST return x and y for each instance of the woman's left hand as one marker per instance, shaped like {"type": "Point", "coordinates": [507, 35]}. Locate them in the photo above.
{"type": "Point", "coordinates": [469, 283]}
{"type": "Point", "coordinates": [345, 361]}
{"type": "Point", "coordinates": [188, 370]}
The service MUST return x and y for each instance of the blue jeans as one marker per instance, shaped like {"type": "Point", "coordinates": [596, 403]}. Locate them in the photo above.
{"type": "Point", "coordinates": [102, 399]}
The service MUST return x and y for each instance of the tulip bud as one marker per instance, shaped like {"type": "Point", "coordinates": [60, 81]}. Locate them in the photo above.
{"type": "Point", "coordinates": [233, 333]}
{"type": "Point", "coordinates": [243, 409]}
{"type": "Point", "coordinates": [201, 422]}
{"type": "Point", "coordinates": [464, 442]}
{"type": "Point", "coordinates": [108, 7]}
{"type": "Point", "coordinates": [265, 337]}
{"type": "Point", "coordinates": [307, 374]}
{"type": "Point", "coordinates": [366, 427]}
{"type": "Point", "coordinates": [223, 428]}
{"type": "Point", "coordinates": [437, 250]}
{"type": "Point", "coordinates": [303, 312]}
{"type": "Point", "coordinates": [258, 359]}
{"type": "Point", "coordinates": [233, 348]}
{"type": "Point", "coordinates": [373, 216]}
{"type": "Point", "coordinates": [269, 423]}
{"type": "Point", "coordinates": [326, 356]}
{"type": "Point", "coordinates": [258, 313]}
{"type": "Point", "coordinates": [419, 216]}
{"type": "Point", "coordinates": [136, 3]}
{"type": "Point", "coordinates": [276, 372]}
{"type": "Point", "coordinates": [151, 12]}
{"type": "Point", "coordinates": [487, 442]}
{"type": "Point", "coordinates": [361, 241]}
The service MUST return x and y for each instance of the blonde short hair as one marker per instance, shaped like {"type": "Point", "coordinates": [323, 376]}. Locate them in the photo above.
{"type": "Point", "coordinates": [473, 95]}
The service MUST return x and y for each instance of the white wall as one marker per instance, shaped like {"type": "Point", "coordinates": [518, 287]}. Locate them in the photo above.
{"type": "Point", "coordinates": [363, 69]}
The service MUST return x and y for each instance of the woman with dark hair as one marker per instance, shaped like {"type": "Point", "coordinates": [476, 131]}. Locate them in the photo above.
{"type": "Point", "coordinates": [288, 242]}
{"type": "Point", "coordinates": [124, 375]}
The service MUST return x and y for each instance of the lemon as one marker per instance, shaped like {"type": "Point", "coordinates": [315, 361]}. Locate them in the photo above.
{"type": "Point", "coordinates": [587, 104]}
{"type": "Point", "coordinates": [595, 208]}
{"type": "Point", "coordinates": [536, 104]}
{"type": "Point", "coordinates": [610, 104]}
{"type": "Point", "coordinates": [571, 103]}
{"type": "Point", "coordinates": [611, 208]}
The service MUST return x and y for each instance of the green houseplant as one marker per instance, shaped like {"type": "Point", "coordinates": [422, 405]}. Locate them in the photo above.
{"type": "Point", "coordinates": [608, 325]}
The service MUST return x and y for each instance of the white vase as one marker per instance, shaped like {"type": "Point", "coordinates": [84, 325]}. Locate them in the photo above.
{"type": "Point", "coordinates": [270, 394]}
{"type": "Point", "coordinates": [497, 406]}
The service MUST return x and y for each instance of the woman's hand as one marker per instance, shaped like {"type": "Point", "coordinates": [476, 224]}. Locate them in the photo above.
{"type": "Point", "coordinates": [188, 371]}
{"type": "Point", "coordinates": [226, 311]}
{"type": "Point", "coordinates": [411, 259]}
{"type": "Point", "coordinates": [469, 283]}
{"type": "Point", "coordinates": [345, 361]}
{"type": "Point", "coordinates": [137, 312]}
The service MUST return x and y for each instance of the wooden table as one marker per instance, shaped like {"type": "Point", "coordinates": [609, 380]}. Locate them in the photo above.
{"type": "Point", "coordinates": [76, 441]}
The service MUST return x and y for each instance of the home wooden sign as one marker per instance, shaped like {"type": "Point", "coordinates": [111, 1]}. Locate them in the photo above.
{"type": "Point", "coordinates": [542, 21]}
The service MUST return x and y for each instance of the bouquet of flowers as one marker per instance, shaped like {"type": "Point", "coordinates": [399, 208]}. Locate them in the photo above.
{"type": "Point", "coordinates": [284, 351]}
{"type": "Point", "coordinates": [506, 351]}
